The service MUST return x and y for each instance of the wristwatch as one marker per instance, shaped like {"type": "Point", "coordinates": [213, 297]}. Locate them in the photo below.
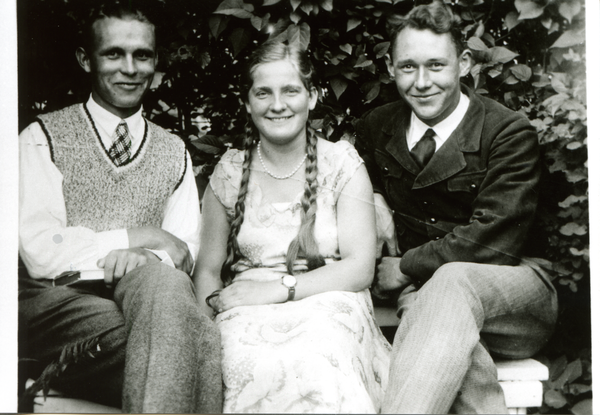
{"type": "Point", "coordinates": [289, 281]}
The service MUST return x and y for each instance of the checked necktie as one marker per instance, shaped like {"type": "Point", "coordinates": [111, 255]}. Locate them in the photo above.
{"type": "Point", "coordinates": [424, 149]}
{"type": "Point", "coordinates": [120, 150]}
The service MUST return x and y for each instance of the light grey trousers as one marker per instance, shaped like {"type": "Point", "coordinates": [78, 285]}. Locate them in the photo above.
{"type": "Point", "coordinates": [441, 352]}
{"type": "Point", "coordinates": [157, 352]}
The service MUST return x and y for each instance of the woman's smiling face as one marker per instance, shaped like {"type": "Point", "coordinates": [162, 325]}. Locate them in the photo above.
{"type": "Point", "coordinates": [279, 103]}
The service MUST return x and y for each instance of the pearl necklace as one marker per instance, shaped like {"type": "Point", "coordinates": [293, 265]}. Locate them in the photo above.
{"type": "Point", "coordinates": [287, 176]}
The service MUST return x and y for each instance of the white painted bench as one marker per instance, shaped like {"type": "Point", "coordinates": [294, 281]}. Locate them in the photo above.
{"type": "Point", "coordinates": [521, 380]}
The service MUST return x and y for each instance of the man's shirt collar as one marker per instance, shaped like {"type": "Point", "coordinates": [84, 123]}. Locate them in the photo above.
{"type": "Point", "coordinates": [442, 130]}
{"type": "Point", "coordinates": [106, 123]}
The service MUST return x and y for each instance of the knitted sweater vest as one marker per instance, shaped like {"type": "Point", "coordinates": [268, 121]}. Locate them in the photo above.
{"type": "Point", "coordinates": [101, 196]}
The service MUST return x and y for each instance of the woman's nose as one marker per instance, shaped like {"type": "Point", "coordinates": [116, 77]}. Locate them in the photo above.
{"type": "Point", "coordinates": [278, 103]}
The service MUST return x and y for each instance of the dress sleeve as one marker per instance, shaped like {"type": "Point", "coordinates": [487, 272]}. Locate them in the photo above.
{"type": "Point", "coordinates": [226, 178]}
{"type": "Point", "coordinates": [341, 162]}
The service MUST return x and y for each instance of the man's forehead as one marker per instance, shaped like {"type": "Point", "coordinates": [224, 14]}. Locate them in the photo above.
{"type": "Point", "coordinates": [116, 31]}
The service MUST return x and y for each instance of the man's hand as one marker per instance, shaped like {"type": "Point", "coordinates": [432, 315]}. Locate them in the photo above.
{"type": "Point", "coordinates": [386, 230]}
{"type": "Point", "coordinates": [121, 261]}
{"type": "Point", "coordinates": [155, 238]}
{"type": "Point", "coordinates": [389, 276]}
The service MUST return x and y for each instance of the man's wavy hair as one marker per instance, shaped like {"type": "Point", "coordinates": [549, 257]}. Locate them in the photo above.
{"type": "Point", "coordinates": [147, 11]}
{"type": "Point", "coordinates": [435, 16]}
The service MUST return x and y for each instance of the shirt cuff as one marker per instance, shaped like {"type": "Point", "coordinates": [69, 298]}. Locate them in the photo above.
{"type": "Point", "coordinates": [111, 240]}
{"type": "Point", "coordinates": [163, 256]}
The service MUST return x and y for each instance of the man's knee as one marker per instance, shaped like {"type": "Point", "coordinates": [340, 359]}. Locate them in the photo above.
{"type": "Point", "coordinates": [453, 275]}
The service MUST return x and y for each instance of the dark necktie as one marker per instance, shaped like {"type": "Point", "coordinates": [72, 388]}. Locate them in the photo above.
{"type": "Point", "coordinates": [424, 149]}
{"type": "Point", "coordinates": [120, 150]}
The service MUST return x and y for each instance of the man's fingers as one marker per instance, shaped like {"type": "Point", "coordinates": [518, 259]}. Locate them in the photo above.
{"type": "Point", "coordinates": [109, 267]}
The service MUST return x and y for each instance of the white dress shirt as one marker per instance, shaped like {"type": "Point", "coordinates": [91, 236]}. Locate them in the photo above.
{"type": "Point", "coordinates": [46, 245]}
{"type": "Point", "coordinates": [442, 130]}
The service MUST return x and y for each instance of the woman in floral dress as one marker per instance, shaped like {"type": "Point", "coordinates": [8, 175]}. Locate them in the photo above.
{"type": "Point", "coordinates": [288, 253]}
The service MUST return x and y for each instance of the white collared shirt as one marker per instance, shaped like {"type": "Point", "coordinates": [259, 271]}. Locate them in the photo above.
{"type": "Point", "coordinates": [442, 130]}
{"type": "Point", "coordinates": [46, 245]}
{"type": "Point", "coordinates": [106, 123]}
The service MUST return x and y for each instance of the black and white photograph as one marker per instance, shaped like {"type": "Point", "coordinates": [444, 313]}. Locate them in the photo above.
{"type": "Point", "coordinates": [299, 206]}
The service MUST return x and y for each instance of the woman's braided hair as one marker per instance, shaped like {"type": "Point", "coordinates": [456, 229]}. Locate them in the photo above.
{"type": "Point", "coordinates": [305, 243]}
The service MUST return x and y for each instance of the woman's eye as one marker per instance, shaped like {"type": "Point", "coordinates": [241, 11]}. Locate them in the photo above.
{"type": "Point", "coordinates": [407, 68]}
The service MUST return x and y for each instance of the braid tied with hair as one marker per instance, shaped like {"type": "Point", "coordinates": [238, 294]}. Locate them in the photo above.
{"type": "Point", "coordinates": [305, 243]}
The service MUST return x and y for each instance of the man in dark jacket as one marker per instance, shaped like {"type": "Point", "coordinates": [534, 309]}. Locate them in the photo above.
{"type": "Point", "coordinates": [460, 173]}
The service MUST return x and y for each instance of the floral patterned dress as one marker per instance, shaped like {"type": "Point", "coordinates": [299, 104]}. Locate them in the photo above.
{"type": "Point", "coordinates": [321, 354]}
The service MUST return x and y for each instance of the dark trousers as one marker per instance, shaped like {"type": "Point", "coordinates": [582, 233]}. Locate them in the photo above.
{"type": "Point", "coordinates": [153, 350]}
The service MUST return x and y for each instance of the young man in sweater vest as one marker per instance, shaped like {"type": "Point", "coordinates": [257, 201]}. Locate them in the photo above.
{"type": "Point", "coordinates": [102, 188]}
{"type": "Point", "coordinates": [460, 173]}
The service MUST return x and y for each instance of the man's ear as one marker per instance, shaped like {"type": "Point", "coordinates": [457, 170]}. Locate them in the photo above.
{"type": "Point", "coordinates": [389, 64]}
{"type": "Point", "coordinates": [465, 62]}
{"type": "Point", "coordinates": [83, 59]}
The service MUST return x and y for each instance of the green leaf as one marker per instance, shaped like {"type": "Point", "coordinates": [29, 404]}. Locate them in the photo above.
{"type": "Point", "coordinates": [217, 24]}
{"type": "Point", "coordinates": [307, 7]}
{"type": "Point", "coordinates": [569, 9]}
{"type": "Point", "coordinates": [347, 47]}
{"type": "Point", "coordinates": [521, 72]}
{"type": "Point", "coordinates": [373, 90]}
{"type": "Point", "coordinates": [295, 4]}
{"type": "Point", "coordinates": [501, 54]}
{"type": "Point", "coordinates": [583, 408]}
{"type": "Point", "coordinates": [569, 38]}
{"type": "Point", "coordinates": [528, 9]}
{"type": "Point", "coordinates": [571, 200]}
{"type": "Point", "coordinates": [352, 23]}
{"type": "Point", "coordinates": [295, 17]}
{"type": "Point", "coordinates": [256, 22]}
{"type": "Point", "coordinates": [270, 2]}
{"type": "Point", "coordinates": [239, 38]}
{"type": "Point", "coordinates": [299, 35]}
{"type": "Point", "coordinates": [476, 43]}
{"type": "Point", "coordinates": [338, 85]}
{"type": "Point", "coordinates": [327, 5]}
{"type": "Point", "coordinates": [554, 103]}
{"type": "Point", "coordinates": [573, 228]}
{"type": "Point", "coordinates": [511, 80]}
{"type": "Point", "coordinates": [555, 399]}
{"type": "Point", "coordinates": [362, 62]}
{"type": "Point", "coordinates": [381, 49]}
{"type": "Point", "coordinates": [239, 13]}
{"type": "Point", "coordinates": [511, 20]}
{"type": "Point", "coordinates": [574, 145]}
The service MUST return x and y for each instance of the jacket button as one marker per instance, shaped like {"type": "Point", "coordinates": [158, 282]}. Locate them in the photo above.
{"type": "Point", "coordinates": [473, 186]}
{"type": "Point", "coordinates": [437, 238]}
{"type": "Point", "coordinates": [425, 203]}
{"type": "Point", "coordinates": [433, 220]}
{"type": "Point", "coordinates": [385, 169]}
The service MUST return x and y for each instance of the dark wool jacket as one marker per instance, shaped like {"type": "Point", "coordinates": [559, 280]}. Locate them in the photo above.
{"type": "Point", "coordinates": [476, 199]}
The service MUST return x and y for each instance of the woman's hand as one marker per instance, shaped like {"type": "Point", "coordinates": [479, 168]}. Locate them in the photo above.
{"type": "Point", "coordinates": [249, 293]}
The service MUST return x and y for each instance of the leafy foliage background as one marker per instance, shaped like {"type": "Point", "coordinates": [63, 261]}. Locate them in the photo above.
{"type": "Point", "coordinates": [530, 56]}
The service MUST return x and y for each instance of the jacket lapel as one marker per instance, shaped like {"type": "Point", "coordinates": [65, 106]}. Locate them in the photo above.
{"type": "Point", "coordinates": [450, 159]}
{"type": "Point", "coordinates": [397, 146]}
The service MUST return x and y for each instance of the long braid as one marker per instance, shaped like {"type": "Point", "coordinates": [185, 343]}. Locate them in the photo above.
{"type": "Point", "coordinates": [305, 242]}
{"type": "Point", "coordinates": [233, 249]}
